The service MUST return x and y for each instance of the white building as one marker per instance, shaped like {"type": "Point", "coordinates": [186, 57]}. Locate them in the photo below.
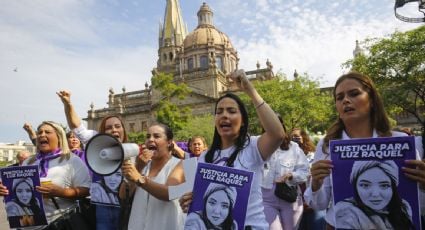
{"type": "Point", "coordinates": [8, 151]}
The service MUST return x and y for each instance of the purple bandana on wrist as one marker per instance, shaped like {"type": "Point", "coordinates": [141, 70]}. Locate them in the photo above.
{"type": "Point", "coordinates": [44, 160]}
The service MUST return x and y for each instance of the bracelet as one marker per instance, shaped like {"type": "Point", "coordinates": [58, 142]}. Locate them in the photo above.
{"type": "Point", "coordinates": [259, 105]}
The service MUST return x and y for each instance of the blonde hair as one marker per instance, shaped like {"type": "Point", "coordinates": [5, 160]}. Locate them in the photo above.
{"type": "Point", "coordinates": [63, 142]}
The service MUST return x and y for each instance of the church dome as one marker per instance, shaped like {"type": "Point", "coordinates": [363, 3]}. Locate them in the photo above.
{"type": "Point", "coordinates": [206, 33]}
{"type": "Point", "coordinates": [206, 36]}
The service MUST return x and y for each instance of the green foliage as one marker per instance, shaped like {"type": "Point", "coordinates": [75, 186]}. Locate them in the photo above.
{"type": "Point", "coordinates": [4, 164]}
{"type": "Point", "coordinates": [198, 126]}
{"type": "Point", "coordinates": [137, 137]}
{"type": "Point", "coordinates": [397, 66]}
{"type": "Point", "coordinates": [299, 102]}
{"type": "Point", "coordinates": [167, 110]}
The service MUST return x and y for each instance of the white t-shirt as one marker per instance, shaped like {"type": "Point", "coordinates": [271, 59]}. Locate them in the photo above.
{"type": "Point", "coordinates": [248, 159]}
{"type": "Point", "coordinates": [323, 198]}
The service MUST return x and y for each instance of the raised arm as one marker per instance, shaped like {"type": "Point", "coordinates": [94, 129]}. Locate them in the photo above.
{"type": "Point", "coordinates": [31, 133]}
{"type": "Point", "coordinates": [72, 117]}
{"type": "Point", "coordinates": [178, 151]}
{"type": "Point", "coordinates": [270, 140]}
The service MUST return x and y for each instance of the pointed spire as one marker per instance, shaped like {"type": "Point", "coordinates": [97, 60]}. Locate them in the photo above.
{"type": "Point", "coordinates": [160, 30]}
{"type": "Point", "coordinates": [174, 30]}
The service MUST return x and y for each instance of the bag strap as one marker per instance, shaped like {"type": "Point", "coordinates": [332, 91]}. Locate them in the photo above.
{"type": "Point", "coordinates": [77, 209]}
{"type": "Point", "coordinates": [55, 202]}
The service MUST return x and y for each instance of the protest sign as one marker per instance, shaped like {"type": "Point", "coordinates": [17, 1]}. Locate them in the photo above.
{"type": "Point", "coordinates": [104, 189]}
{"type": "Point", "coordinates": [368, 180]}
{"type": "Point", "coordinates": [218, 192]}
{"type": "Point", "coordinates": [24, 205]}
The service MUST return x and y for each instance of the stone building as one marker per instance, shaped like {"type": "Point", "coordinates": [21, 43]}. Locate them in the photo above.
{"type": "Point", "coordinates": [201, 59]}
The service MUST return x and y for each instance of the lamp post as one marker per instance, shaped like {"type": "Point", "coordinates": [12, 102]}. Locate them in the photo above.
{"type": "Point", "coordinates": [401, 3]}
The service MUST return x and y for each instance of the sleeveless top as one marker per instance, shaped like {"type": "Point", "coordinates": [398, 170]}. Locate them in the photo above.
{"type": "Point", "coordinates": [148, 212]}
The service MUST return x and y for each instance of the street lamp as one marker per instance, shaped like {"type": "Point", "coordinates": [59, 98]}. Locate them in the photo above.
{"type": "Point", "coordinates": [401, 3]}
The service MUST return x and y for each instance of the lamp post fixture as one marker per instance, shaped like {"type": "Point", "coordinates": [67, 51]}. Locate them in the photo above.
{"type": "Point", "coordinates": [401, 3]}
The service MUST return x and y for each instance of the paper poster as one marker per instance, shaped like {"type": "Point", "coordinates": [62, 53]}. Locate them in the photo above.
{"type": "Point", "coordinates": [369, 186]}
{"type": "Point", "coordinates": [220, 198]}
{"type": "Point", "coordinates": [104, 189]}
{"type": "Point", "coordinates": [24, 205]}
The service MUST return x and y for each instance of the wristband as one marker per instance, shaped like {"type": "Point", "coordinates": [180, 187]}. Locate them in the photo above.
{"type": "Point", "coordinates": [259, 105]}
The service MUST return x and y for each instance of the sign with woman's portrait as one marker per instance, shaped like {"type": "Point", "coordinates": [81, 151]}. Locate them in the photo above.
{"type": "Point", "coordinates": [24, 205]}
{"type": "Point", "coordinates": [370, 189]}
{"type": "Point", "coordinates": [104, 189]}
{"type": "Point", "coordinates": [220, 191]}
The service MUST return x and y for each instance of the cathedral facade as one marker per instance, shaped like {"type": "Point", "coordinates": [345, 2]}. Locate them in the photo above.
{"type": "Point", "coordinates": [202, 59]}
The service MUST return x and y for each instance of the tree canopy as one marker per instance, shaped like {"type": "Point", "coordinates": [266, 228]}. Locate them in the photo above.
{"type": "Point", "coordinates": [197, 126]}
{"type": "Point", "coordinates": [300, 103]}
{"type": "Point", "coordinates": [397, 66]}
{"type": "Point", "coordinates": [168, 111]}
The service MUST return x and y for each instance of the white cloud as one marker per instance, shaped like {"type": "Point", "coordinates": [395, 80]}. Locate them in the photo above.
{"type": "Point", "coordinates": [316, 39]}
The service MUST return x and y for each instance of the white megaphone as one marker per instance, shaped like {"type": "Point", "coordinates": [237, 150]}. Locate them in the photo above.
{"type": "Point", "coordinates": [105, 153]}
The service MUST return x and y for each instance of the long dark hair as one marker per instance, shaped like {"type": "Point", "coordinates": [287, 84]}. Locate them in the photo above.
{"type": "Point", "coordinates": [227, 223]}
{"type": "Point", "coordinates": [378, 116]}
{"type": "Point", "coordinates": [241, 141]}
{"type": "Point", "coordinates": [34, 205]}
{"type": "Point", "coordinates": [397, 215]}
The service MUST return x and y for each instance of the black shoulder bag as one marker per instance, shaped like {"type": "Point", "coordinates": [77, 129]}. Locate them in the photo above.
{"type": "Point", "coordinates": [286, 192]}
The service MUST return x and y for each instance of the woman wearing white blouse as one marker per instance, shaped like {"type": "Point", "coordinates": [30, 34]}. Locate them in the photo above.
{"type": "Point", "coordinates": [361, 115]}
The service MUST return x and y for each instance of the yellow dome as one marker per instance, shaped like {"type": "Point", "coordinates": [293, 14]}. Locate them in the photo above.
{"type": "Point", "coordinates": [206, 35]}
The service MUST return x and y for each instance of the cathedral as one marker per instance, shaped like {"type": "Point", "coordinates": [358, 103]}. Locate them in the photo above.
{"type": "Point", "coordinates": [201, 59]}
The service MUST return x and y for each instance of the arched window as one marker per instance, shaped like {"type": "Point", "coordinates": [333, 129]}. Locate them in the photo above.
{"type": "Point", "coordinates": [171, 56]}
{"type": "Point", "coordinates": [164, 57]}
{"type": "Point", "coordinates": [190, 63]}
{"type": "Point", "coordinates": [219, 62]}
{"type": "Point", "coordinates": [204, 62]}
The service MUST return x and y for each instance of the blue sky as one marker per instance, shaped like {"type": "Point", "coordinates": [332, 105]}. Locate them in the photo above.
{"type": "Point", "coordinates": [88, 46]}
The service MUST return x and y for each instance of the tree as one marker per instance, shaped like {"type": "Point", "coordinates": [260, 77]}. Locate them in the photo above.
{"type": "Point", "coordinates": [167, 110]}
{"type": "Point", "coordinates": [137, 137]}
{"type": "Point", "coordinates": [197, 126]}
{"type": "Point", "coordinates": [300, 103]}
{"type": "Point", "coordinates": [397, 66]}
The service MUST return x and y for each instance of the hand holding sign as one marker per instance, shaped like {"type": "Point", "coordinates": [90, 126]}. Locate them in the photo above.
{"type": "Point", "coordinates": [319, 170]}
{"type": "Point", "coordinates": [416, 172]}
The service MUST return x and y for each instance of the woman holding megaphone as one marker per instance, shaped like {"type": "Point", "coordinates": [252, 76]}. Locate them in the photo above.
{"type": "Point", "coordinates": [151, 207]}
{"type": "Point", "coordinates": [107, 216]}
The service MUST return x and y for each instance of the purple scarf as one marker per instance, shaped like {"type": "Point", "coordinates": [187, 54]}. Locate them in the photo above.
{"type": "Point", "coordinates": [79, 153]}
{"type": "Point", "coordinates": [44, 160]}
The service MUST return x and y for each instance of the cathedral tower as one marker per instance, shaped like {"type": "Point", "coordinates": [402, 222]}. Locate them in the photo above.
{"type": "Point", "coordinates": [171, 36]}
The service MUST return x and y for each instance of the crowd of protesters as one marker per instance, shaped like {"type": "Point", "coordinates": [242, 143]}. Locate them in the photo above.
{"type": "Point", "coordinates": [137, 195]}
